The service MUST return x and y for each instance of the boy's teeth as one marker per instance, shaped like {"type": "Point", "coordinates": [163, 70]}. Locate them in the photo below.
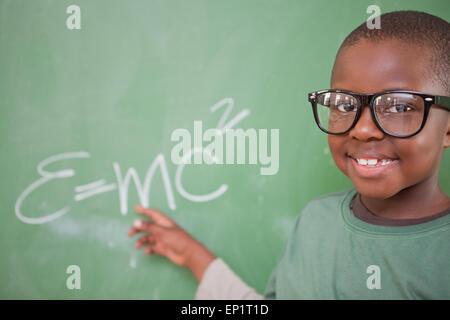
{"type": "Point", "coordinates": [362, 161]}
{"type": "Point", "coordinates": [373, 162]}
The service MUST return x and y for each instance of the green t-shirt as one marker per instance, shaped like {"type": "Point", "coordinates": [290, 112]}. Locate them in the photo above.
{"type": "Point", "coordinates": [331, 254]}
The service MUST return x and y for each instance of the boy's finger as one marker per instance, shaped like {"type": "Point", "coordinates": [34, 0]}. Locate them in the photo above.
{"type": "Point", "coordinates": [147, 239]}
{"type": "Point", "coordinates": [155, 215]}
{"type": "Point", "coordinates": [135, 230]}
{"type": "Point", "coordinates": [148, 250]}
{"type": "Point", "coordinates": [152, 249]}
{"type": "Point", "coordinates": [147, 226]}
{"type": "Point", "coordinates": [132, 232]}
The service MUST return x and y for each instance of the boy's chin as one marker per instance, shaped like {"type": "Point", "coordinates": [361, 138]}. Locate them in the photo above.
{"type": "Point", "coordinates": [372, 190]}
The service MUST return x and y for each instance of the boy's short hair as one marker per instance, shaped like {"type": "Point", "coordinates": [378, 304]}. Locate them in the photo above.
{"type": "Point", "coordinates": [414, 28]}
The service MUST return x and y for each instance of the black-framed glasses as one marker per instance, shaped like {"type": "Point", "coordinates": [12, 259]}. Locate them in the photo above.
{"type": "Point", "coordinates": [398, 113]}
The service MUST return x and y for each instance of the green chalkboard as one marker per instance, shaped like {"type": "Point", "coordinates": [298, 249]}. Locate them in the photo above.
{"type": "Point", "coordinates": [82, 109]}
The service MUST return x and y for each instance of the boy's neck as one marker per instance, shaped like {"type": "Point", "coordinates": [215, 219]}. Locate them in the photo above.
{"type": "Point", "coordinates": [421, 200]}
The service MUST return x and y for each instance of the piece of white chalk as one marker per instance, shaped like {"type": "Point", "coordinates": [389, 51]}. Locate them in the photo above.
{"type": "Point", "coordinates": [137, 223]}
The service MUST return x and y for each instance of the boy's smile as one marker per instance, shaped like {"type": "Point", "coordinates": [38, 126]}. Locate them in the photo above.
{"type": "Point", "coordinates": [381, 166]}
{"type": "Point", "coordinates": [372, 164]}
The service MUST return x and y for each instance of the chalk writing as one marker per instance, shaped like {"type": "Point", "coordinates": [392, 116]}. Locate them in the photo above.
{"type": "Point", "coordinates": [100, 186]}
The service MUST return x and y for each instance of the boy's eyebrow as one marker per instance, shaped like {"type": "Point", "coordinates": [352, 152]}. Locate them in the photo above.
{"type": "Point", "coordinates": [387, 89]}
{"type": "Point", "coordinates": [398, 88]}
{"type": "Point", "coordinates": [382, 89]}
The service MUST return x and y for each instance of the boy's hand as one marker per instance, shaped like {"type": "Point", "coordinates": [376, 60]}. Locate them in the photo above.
{"type": "Point", "coordinates": [164, 237]}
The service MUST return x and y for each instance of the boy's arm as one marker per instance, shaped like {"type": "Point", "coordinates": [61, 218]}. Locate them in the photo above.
{"type": "Point", "coordinates": [164, 237]}
{"type": "Point", "coordinates": [219, 282]}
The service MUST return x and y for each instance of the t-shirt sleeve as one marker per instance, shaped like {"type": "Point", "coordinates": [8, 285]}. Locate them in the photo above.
{"type": "Point", "coordinates": [219, 282]}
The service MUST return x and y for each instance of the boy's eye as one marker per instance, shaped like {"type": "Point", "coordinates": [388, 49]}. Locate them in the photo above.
{"type": "Point", "coordinates": [346, 107]}
{"type": "Point", "coordinates": [398, 108]}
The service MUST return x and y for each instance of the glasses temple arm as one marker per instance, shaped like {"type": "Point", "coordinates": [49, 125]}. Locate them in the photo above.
{"type": "Point", "coordinates": [443, 101]}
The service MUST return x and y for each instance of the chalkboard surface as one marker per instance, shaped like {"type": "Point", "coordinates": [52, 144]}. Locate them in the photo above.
{"type": "Point", "coordinates": [85, 110]}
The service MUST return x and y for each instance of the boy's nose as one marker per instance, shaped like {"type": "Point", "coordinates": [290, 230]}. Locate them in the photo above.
{"type": "Point", "coordinates": [366, 129]}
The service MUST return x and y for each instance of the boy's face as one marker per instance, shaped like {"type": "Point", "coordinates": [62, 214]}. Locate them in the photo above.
{"type": "Point", "coordinates": [368, 67]}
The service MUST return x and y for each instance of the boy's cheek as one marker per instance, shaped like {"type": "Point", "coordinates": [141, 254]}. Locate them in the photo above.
{"type": "Point", "coordinates": [420, 153]}
{"type": "Point", "coordinates": [337, 151]}
{"type": "Point", "coordinates": [342, 164]}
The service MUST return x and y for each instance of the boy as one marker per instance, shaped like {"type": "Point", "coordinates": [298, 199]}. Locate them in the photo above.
{"type": "Point", "coordinates": [388, 123]}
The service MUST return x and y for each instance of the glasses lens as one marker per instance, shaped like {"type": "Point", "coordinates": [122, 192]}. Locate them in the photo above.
{"type": "Point", "coordinates": [399, 113]}
{"type": "Point", "coordinates": [336, 111]}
